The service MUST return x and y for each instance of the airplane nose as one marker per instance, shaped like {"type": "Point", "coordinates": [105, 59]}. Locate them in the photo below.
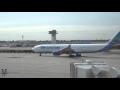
{"type": "Point", "coordinates": [33, 49]}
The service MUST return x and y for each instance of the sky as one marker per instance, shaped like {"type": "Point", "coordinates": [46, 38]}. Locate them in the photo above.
{"type": "Point", "coordinates": [69, 25]}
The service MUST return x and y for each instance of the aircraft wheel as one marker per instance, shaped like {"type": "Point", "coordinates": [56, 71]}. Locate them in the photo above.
{"type": "Point", "coordinates": [70, 55]}
{"type": "Point", "coordinates": [40, 54]}
{"type": "Point", "coordinates": [76, 55]}
{"type": "Point", "coordinates": [79, 55]}
{"type": "Point", "coordinates": [73, 55]}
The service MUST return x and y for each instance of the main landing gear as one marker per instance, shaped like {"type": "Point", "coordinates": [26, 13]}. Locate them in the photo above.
{"type": "Point", "coordinates": [77, 55]}
{"type": "Point", "coordinates": [71, 55]}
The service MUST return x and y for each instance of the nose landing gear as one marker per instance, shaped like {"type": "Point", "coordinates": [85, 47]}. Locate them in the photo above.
{"type": "Point", "coordinates": [40, 54]}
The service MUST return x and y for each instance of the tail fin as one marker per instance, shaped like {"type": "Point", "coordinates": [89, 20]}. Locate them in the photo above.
{"type": "Point", "coordinates": [115, 39]}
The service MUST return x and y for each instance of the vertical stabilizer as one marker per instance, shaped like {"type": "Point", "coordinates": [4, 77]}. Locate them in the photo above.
{"type": "Point", "coordinates": [115, 39]}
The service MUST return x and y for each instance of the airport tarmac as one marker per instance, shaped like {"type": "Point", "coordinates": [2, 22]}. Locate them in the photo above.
{"type": "Point", "coordinates": [15, 48]}
{"type": "Point", "coordinates": [31, 65]}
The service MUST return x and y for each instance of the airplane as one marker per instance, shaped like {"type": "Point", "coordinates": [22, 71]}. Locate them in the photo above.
{"type": "Point", "coordinates": [76, 49]}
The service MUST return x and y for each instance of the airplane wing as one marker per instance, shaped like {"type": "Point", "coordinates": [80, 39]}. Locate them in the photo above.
{"type": "Point", "coordinates": [67, 50]}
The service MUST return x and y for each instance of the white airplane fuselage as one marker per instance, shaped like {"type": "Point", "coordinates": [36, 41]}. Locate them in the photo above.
{"type": "Point", "coordinates": [78, 48]}
{"type": "Point", "coordinates": [58, 49]}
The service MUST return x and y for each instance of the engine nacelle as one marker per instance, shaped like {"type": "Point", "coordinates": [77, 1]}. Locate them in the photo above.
{"type": "Point", "coordinates": [56, 52]}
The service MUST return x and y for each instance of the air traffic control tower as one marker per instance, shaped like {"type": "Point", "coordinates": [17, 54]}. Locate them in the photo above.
{"type": "Point", "coordinates": [53, 36]}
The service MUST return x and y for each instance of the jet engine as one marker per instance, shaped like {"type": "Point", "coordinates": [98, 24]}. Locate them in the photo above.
{"type": "Point", "coordinates": [56, 52]}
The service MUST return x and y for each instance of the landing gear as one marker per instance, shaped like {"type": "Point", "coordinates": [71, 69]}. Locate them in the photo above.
{"type": "Point", "coordinates": [40, 54]}
{"type": "Point", "coordinates": [71, 55]}
{"type": "Point", "coordinates": [78, 55]}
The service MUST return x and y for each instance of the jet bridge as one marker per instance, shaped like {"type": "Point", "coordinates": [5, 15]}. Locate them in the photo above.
{"type": "Point", "coordinates": [89, 69]}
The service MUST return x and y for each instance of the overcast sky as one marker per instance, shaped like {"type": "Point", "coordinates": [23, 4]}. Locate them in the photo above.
{"type": "Point", "coordinates": [69, 25]}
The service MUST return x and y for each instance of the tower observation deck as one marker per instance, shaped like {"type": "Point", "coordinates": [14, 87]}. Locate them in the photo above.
{"type": "Point", "coordinates": [53, 36]}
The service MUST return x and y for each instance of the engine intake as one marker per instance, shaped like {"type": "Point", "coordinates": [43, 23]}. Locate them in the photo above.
{"type": "Point", "coordinates": [56, 52]}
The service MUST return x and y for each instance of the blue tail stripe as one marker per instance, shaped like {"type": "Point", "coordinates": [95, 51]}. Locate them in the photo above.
{"type": "Point", "coordinates": [115, 39]}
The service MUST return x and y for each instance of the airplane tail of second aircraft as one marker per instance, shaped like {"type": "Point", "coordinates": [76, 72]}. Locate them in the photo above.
{"type": "Point", "coordinates": [115, 39]}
